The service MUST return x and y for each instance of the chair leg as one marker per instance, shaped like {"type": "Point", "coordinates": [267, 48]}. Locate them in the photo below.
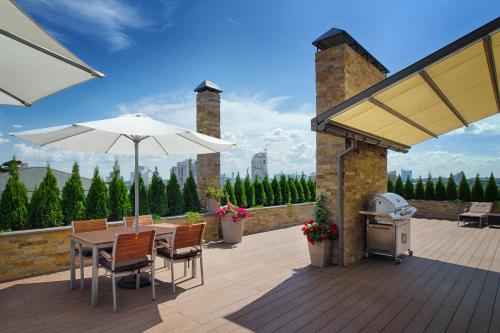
{"type": "Point", "coordinates": [113, 286]}
{"type": "Point", "coordinates": [172, 274]}
{"type": "Point", "coordinates": [82, 272]}
{"type": "Point", "coordinates": [153, 292]}
{"type": "Point", "coordinates": [185, 267]}
{"type": "Point", "coordinates": [137, 280]}
{"type": "Point", "coordinates": [165, 263]}
{"type": "Point", "coordinates": [201, 269]}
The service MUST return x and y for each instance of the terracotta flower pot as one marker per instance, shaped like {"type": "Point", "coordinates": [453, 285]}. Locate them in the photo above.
{"type": "Point", "coordinates": [320, 253]}
{"type": "Point", "coordinates": [212, 205]}
{"type": "Point", "coordinates": [232, 232]}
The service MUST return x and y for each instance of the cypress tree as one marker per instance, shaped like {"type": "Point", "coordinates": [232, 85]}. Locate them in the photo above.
{"type": "Point", "coordinates": [429, 189]}
{"type": "Point", "coordinates": [419, 189]}
{"type": "Point", "coordinates": [269, 192]}
{"type": "Point", "coordinates": [190, 194]}
{"type": "Point", "coordinates": [229, 194]}
{"type": "Point", "coordinates": [157, 194]}
{"type": "Point", "coordinates": [409, 191]}
{"type": "Point", "coordinates": [285, 190]}
{"type": "Point", "coordinates": [399, 186]}
{"type": "Point", "coordinates": [312, 189]}
{"type": "Point", "coordinates": [491, 191]}
{"type": "Point", "coordinates": [451, 189]}
{"type": "Point", "coordinates": [174, 196]}
{"type": "Point", "coordinates": [293, 191]}
{"type": "Point", "coordinates": [249, 191]}
{"type": "Point", "coordinates": [300, 190]}
{"type": "Point", "coordinates": [477, 193]}
{"type": "Point", "coordinates": [390, 185]}
{"type": "Point", "coordinates": [45, 207]}
{"type": "Point", "coordinates": [464, 189]}
{"type": "Point", "coordinates": [278, 200]}
{"type": "Point", "coordinates": [260, 194]}
{"type": "Point", "coordinates": [143, 197]}
{"type": "Point", "coordinates": [14, 202]}
{"type": "Point", "coordinates": [239, 192]}
{"type": "Point", "coordinates": [73, 197]}
{"type": "Point", "coordinates": [119, 202]}
{"type": "Point", "coordinates": [305, 188]}
{"type": "Point", "coordinates": [440, 193]}
{"type": "Point", "coordinates": [96, 205]}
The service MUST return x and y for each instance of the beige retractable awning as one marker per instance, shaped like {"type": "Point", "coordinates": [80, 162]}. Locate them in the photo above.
{"type": "Point", "coordinates": [453, 87]}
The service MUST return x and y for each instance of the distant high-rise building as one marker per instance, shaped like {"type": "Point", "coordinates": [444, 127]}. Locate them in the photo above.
{"type": "Point", "coordinates": [392, 175]}
{"type": "Point", "coordinates": [182, 169]}
{"type": "Point", "coordinates": [406, 174]}
{"type": "Point", "coordinates": [145, 173]}
{"type": "Point", "coordinates": [259, 165]}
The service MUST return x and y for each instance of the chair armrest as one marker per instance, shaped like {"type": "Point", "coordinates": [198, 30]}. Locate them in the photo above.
{"type": "Point", "coordinates": [106, 255]}
{"type": "Point", "coordinates": [162, 244]}
{"type": "Point", "coordinates": [466, 210]}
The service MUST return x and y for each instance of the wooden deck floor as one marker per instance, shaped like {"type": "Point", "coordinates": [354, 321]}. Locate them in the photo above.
{"type": "Point", "coordinates": [265, 285]}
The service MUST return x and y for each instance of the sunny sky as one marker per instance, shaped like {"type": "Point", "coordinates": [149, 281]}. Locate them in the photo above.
{"type": "Point", "coordinates": [154, 53]}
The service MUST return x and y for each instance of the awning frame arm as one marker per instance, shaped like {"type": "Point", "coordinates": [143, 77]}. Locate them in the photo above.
{"type": "Point", "coordinates": [490, 58]}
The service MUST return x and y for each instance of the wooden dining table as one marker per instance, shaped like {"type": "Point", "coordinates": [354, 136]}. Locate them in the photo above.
{"type": "Point", "coordinates": [97, 240]}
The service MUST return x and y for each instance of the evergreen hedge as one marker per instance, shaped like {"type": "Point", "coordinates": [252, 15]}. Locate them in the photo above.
{"type": "Point", "coordinates": [293, 191]}
{"type": "Point", "coordinates": [409, 191]}
{"type": "Point", "coordinates": [73, 197]}
{"type": "Point", "coordinates": [399, 186]}
{"type": "Point", "coordinates": [14, 202]}
{"type": "Point", "coordinates": [300, 190]}
{"type": "Point", "coordinates": [229, 194]}
{"type": "Point", "coordinates": [312, 189]}
{"type": "Point", "coordinates": [97, 202]}
{"type": "Point", "coordinates": [268, 190]}
{"type": "Point", "coordinates": [157, 194]}
{"type": "Point", "coordinates": [239, 192]}
{"type": "Point", "coordinates": [190, 195]}
{"type": "Point", "coordinates": [275, 185]}
{"type": "Point", "coordinates": [419, 189]}
{"type": "Point", "coordinates": [429, 189]}
{"type": "Point", "coordinates": [305, 188]}
{"type": "Point", "coordinates": [285, 190]}
{"type": "Point", "coordinates": [451, 189]}
{"type": "Point", "coordinates": [390, 185]}
{"type": "Point", "coordinates": [249, 191]}
{"type": "Point", "coordinates": [464, 193]}
{"type": "Point", "coordinates": [491, 190]}
{"type": "Point", "coordinates": [440, 191]}
{"type": "Point", "coordinates": [45, 207]}
{"type": "Point", "coordinates": [174, 196]}
{"type": "Point", "coordinates": [477, 193]}
{"type": "Point", "coordinates": [260, 194]}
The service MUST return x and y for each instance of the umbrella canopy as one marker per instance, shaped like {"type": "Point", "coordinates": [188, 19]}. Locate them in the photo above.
{"type": "Point", "coordinates": [123, 135]}
{"type": "Point", "coordinates": [32, 63]}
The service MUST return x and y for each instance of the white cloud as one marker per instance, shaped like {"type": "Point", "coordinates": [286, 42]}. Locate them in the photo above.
{"type": "Point", "coordinates": [232, 21]}
{"type": "Point", "coordinates": [17, 126]}
{"type": "Point", "coordinates": [3, 140]}
{"type": "Point", "coordinates": [108, 20]}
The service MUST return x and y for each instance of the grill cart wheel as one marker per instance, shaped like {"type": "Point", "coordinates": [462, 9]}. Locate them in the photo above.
{"type": "Point", "coordinates": [367, 255]}
{"type": "Point", "coordinates": [410, 252]}
{"type": "Point", "coordinates": [397, 261]}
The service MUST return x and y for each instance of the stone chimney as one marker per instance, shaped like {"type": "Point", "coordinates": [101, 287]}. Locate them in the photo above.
{"type": "Point", "coordinates": [343, 69]}
{"type": "Point", "coordinates": [207, 122]}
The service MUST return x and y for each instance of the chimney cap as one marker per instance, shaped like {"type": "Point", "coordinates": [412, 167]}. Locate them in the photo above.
{"type": "Point", "coordinates": [208, 85]}
{"type": "Point", "coordinates": [335, 37]}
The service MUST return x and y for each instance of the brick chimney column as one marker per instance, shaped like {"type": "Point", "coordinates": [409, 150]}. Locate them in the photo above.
{"type": "Point", "coordinates": [207, 122]}
{"type": "Point", "coordinates": [341, 73]}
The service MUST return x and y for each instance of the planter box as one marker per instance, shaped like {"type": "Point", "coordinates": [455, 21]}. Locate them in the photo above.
{"type": "Point", "coordinates": [232, 232]}
{"type": "Point", "coordinates": [320, 253]}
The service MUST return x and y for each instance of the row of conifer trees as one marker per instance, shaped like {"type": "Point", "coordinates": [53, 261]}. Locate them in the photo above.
{"type": "Point", "coordinates": [448, 191]}
{"type": "Point", "coordinates": [49, 208]}
{"type": "Point", "coordinates": [266, 192]}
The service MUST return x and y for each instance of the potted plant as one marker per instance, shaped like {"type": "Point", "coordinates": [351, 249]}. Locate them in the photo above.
{"type": "Point", "coordinates": [232, 220]}
{"type": "Point", "coordinates": [214, 195]}
{"type": "Point", "coordinates": [193, 217]}
{"type": "Point", "coordinates": [320, 233]}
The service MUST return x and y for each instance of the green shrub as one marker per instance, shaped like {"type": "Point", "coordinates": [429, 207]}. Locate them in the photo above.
{"type": "Point", "coordinates": [97, 202]}
{"type": "Point", "coordinates": [440, 193]}
{"type": "Point", "coordinates": [268, 190]}
{"type": "Point", "coordinates": [305, 188]}
{"type": "Point", "coordinates": [451, 189]}
{"type": "Point", "coordinates": [193, 217]}
{"type": "Point", "coordinates": [249, 191]}
{"type": "Point", "coordinates": [293, 191]}
{"type": "Point", "coordinates": [45, 207]}
{"type": "Point", "coordinates": [491, 191]}
{"type": "Point", "coordinates": [477, 193]}
{"type": "Point", "coordinates": [409, 191]}
{"type": "Point", "coordinates": [275, 185]}
{"type": "Point", "coordinates": [312, 189]}
{"type": "Point", "coordinates": [239, 192]}
{"type": "Point", "coordinates": [14, 202]}
{"type": "Point", "coordinates": [390, 185]}
{"type": "Point", "coordinates": [157, 194]}
{"type": "Point", "coordinates": [190, 195]}
{"type": "Point", "coordinates": [228, 194]}
{"type": "Point", "coordinates": [300, 190]}
{"type": "Point", "coordinates": [285, 190]}
{"type": "Point", "coordinates": [260, 194]}
{"type": "Point", "coordinates": [419, 189]}
{"type": "Point", "coordinates": [321, 212]}
{"type": "Point", "coordinates": [464, 189]}
{"type": "Point", "coordinates": [429, 189]}
{"type": "Point", "coordinates": [399, 186]}
{"type": "Point", "coordinates": [73, 197]}
{"type": "Point", "coordinates": [119, 201]}
{"type": "Point", "coordinates": [174, 196]}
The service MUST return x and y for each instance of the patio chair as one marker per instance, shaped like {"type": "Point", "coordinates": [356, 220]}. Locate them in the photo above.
{"type": "Point", "coordinates": [476, 213]}
{"type": "Point", "coordinates": [128, 221]}
{"type": "Point", "coordinates": [186, 245]}
{"type": "Point", "coordinates": [86, 252]}
{"type": "Point", "coordinates": [132, 254]}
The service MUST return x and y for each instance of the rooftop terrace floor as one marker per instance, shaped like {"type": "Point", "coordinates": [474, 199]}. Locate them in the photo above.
{"type": "Point", "coordinates": [265, 284]}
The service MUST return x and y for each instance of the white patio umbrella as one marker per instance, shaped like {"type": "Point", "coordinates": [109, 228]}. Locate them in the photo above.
{"type": "Point", "coordinates": [123, 135]}
{"type": "Point", "coordinates": [32, 63]}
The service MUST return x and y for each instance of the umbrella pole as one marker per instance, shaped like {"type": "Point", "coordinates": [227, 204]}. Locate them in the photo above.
{"type": "Point", "coordinates": [136, 185]}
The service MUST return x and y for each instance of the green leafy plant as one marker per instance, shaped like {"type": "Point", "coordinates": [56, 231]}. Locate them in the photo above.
{"type": "Point", "coordinates": [214, 193]}
{"type": "Point", "coordinates": [477, 193]}
{"type": "Point", "coordinates": [73, 197]}
{"type": "Point", "coordinates": [440, 192]}
{"type": "Point", "coordinates": [285, 190]}
{"type": "Point", "coordinates": [96, 205]}
{"type": "Point", "coordinates": [491, 190]}
{"type": "Point", "coordinates": [419, 189]}
{"type": "Point", "coordinates": [239, 192]}
{"type": "Point", "coordinates": [174, 196]}
{"type": "Point", "coordinates": [14, 202]}
{"type": "Point", "coordinates": [464, 189]}
{"type": "Point", "coordinates": [156, 218]}
{"type": "Point", "coordinates": [305, 188]}
{"type": "Point", "coordinates": [193, 217]}
{"type": "Point", "coordinates": [229, 196]}
{"type": "Point", "coordinates": [399, 186]}
{"type": "Point", "coordinates": [190, 195]}
{"type": "Point", "coordinates": [294, 197]}
{"type": "Point", "coordinates": [45, 206]}
{"type": "Point", "coordinates": [260, 194]}
{"type": "Point", "coordinates": [119, 201]}
{"type": "Point", "coordinates": [157, 194]}
{"type": "Point", "coordinates": [249, 191]}
{"type": "Point", "coordinates": [451, 189]}
{"type": "Point", "coordinates": [390, 185]}
{"type": "Point", "coordinates": [429, 189]}
{"type": "Point", "coordinates": [321, 212]}
{"type": "Point", "coordinates": [275, 185]}
{"type": "Point", "coordinates": [143, 197]}
{"type": "Point", "coordinates": [409, 191]}
{"type": "Point", "coordinates": [268, 190]}
{"type": "Point", "coordinates": [312, 189]}
{"type": "Point", "coordinates": [319, 229]}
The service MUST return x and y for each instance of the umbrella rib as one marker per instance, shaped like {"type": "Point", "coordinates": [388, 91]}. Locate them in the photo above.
{"type": "Point", "coordinates": [22, 101]}
{"type": "Point", "coordinates": [67, 137]}
{"type": "Point", "coordinates": [182, 136]}
{"type": "Point", "coordinates": [50, 53]}
{"type": "Point", "coordinates": [163, 148]}
{"type": "Point", "coordinates": [111, 146]}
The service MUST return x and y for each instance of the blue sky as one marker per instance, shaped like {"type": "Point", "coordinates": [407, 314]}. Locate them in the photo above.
{"type": "Point", "coordinates": [259, 52]}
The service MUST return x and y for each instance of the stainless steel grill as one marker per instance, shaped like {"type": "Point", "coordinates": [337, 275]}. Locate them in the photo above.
{"type": "Point", "coordinates": [388, 227]}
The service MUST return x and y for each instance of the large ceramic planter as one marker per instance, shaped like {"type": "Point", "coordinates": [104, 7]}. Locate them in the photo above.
{"type": "Point", "coordinates": [320, 253]}
{"type": "Point", "coordinates": [212, 205]}
{"type": "Point", "coordinates": [232, 232]}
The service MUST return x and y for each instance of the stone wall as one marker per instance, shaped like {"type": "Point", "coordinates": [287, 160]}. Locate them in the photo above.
{"type": "Point", "coordinates": [34, 252]}
{"type": "Point", "coordinates": [442, 210]}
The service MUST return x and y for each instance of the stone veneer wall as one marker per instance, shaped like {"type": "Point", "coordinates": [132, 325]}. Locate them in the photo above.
{"type": "Point", "coordinates": [443, 210]}
{"type": "Point", "coordinates": [34, 252]}
{"type": "Point", "coordinates": [340, 74]}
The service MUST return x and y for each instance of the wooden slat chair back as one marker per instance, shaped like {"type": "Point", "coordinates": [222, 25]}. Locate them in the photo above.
{"type": "Point", "coordinates": [132, 246]}
{"type": "Point", "coordinates": [143, 220]}
{"type": "Point", "coordinates": [481, 207]}
{"type": "Point", "coordinates": [188, 236]}
{"type": "Point", "coordinates": [89, 225]}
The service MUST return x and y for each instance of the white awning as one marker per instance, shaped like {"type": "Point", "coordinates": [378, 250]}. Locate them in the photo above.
{"type": "Point", "coordinates": [453, 87]}
{"type": "Point", "coordinates": [32, 63]}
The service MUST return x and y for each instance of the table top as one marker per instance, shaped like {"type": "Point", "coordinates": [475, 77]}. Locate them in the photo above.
{"type": "Point", "coordinates": [108, 236]}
